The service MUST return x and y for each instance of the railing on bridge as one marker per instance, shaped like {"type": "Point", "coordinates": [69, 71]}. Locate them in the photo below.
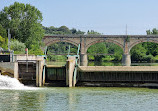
{"type": "Point", "coordinates": [57, 72]}
{"type": "Point", "coordinates": [57, 53]}
{"type": "Point", "coordinates": [77, 58]}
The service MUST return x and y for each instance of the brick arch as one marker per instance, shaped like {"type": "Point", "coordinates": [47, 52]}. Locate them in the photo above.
{"type": "Point", "coordinates": [141, 41]}
{"type": "Point", "coordinates": [56, 41]}
{"type": "Point", "coordinates": [107, 40]}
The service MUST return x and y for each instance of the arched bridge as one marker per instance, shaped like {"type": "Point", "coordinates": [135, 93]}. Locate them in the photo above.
{"type": "Point", "coordinates": [126, 42]}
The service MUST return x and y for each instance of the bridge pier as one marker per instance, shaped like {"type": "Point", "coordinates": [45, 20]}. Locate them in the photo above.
{"type": "Point", "coordinates": [126, 59]}
{"type": "Point", "coordinates": [83, 60]}
{"type": "Point", "coordinates": [39, 69]}
{"type": "Point", "coordinates": [70, 66]}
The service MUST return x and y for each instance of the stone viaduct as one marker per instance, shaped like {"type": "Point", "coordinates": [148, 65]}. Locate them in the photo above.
{"type": "Point", "coordinates": [126, 42]}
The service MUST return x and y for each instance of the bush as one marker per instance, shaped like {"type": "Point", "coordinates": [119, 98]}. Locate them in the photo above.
{"type": "Point", "coordinates": [17, 46]}
{"type": "Point", "coordinates": [36, 51]}
{"type": "Point", "coordinates": [149, 58]}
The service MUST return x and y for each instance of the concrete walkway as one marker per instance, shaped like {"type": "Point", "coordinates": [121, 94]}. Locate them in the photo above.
{"type": "Point", "coordinates": [118, 68]}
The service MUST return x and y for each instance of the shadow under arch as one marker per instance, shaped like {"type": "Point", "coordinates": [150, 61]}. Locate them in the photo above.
{"type": "Point", "coordinates": [144, 52]}
{"type": "Point", "coordinates": [57, 52]}
{"type": "Point", "coordinates": [105, 53]}
{"type": "Point", "coordinates": [142, 41]}
{"type": "Point", "coordinates": [51, 42]}
{"type": "Point", "coordinates": [100, 41]}
{"type": "Point", "coordinates": [63, 44]}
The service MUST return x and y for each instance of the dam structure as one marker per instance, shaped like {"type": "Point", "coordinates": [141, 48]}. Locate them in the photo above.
{"type": "Point", "coordinates": [78, 73]}
{"type": "Point", "coordinates": [75, 72]}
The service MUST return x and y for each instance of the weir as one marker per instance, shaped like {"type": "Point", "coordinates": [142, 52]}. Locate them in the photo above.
{"type": "Point", "coordinates": [27, 69]}
{"type": "Point", "coordinates": [31, 69]}
{"type": "Point", "coordinates": [73, 74]}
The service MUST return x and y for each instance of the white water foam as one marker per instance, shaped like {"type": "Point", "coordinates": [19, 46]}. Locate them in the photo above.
{"type": "Point", "coordinates": [7, 82]}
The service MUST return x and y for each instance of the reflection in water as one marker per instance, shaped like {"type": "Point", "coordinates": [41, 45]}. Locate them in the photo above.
{"type": "Point", "coordinates": [80, 99]}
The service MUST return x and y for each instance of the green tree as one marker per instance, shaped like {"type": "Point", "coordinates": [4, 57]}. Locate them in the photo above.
{"type": "Point", "coordinates": [99, 48]}
{"type": "Point", "coordinates": [3, 37]}
{"type": "Point", "coordinates": [138, 53]}
{"type": "Point", "coordinates": [64, 29]}
{"type": "Point", "coordinates": [153, 32]}
{"type": "Point", "coordinates": [92, 32]}
{"type": "Point", "coordinates": [3, 42]}
{"type": "Point", "coordinates": [24, 22]}
{"type": "Point", "coordinates": [74, 31]}
{"type": "Point", "coordinates": [3, 32]}
{"type": "Point", "coordinates": [115, 50]}
{"type": "Point", "coordinates": [61, 30]}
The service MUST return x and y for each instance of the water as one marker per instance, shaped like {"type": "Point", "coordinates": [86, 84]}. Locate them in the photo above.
{"type": "Point", "coordinates": [80, 99]}
{"type": "Point", "coordinates": [14, 96]}
{"type": "Point", "coordinates": [12, 83]}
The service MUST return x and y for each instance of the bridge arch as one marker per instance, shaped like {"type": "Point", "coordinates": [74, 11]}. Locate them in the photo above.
{"type": "Point", "coordinates": [57, 52]}
{"type": "Point", "coordinates": [57, 41]}
{"type": "Point", "coordinates": [142, 41]}
{"type": "Point", "coordinates": [99, 41]}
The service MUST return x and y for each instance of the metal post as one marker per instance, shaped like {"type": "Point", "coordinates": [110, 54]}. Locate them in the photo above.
{"type": "Point", "coordinates": [69, 50]}
{"type": "Point", "coordinates": [9, 37]}
{"type": "Point", "coordinates": [26, 52]}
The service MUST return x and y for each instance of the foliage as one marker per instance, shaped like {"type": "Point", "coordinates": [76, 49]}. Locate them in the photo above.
{"type": "Point", "coordinates": [60, 48]}
{"type": "Point", "coordinates": [112, 51]}
{"type": "Point", "coordinates": [3, 42]}
{"type": "Point", "coordinates": [3, 38]}
{"type": "Point", "coordinates": [146, 51]}
{"type": "Point", "coordinates": [92, 32]}
{"type": "Point", "coordinates": [36, 51]}
{"type": "Point", "coordinates": [127, 39]}
{"type": "Point", "coordinates": [153, 32]}
{"type": "Point", "coordinates": [64, 29]}
{"type": "Point", "coordinates": [24, 22]}
{"type": "Point", "coordinates": [74, 31]}
{"type": "Point", "coordinates": [115, 50]}
{"type": "Point", "coordinates": [138, 53]}
{"type": "Point", "coordinates": [99, 48]}
{"type": "Point", "coordinates": [3, 32]}
{"type": "Point", "coordinates": [17, 46]}
{"type": "Point", "coordinates": [61, 30]}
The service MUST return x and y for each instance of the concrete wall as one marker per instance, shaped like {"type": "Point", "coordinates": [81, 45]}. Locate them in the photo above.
{"type": "Point", "coordinates": [11, 68]}
{"type": "Point", "coordinates": [118, 68]}
{"type": "Point", "coordinates": [70, 66]}
{"type": "Point", "coordinates": [29, 57]}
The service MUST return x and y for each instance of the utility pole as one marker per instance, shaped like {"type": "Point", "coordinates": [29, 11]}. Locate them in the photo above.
{"type": "Point", "coordinates": [126, 29]}
{"type": "Point", "coordinates": [9, 37]}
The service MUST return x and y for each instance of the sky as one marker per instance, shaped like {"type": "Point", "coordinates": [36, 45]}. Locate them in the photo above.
{"type": "Point", "coordinates": [109, 17]}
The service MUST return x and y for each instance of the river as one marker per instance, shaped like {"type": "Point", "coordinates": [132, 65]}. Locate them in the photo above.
{"type": "Point", "coordinates": [79, 99]}
{"type": "Point", "coordinates": [16, 97]}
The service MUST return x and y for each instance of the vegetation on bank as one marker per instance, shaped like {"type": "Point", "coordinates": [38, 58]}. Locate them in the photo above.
{"type": "Point", "coordinates": [24, 22]}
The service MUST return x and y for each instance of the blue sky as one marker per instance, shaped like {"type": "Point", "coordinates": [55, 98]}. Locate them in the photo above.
{"type": "Point", "coordinates": [105, 16]}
